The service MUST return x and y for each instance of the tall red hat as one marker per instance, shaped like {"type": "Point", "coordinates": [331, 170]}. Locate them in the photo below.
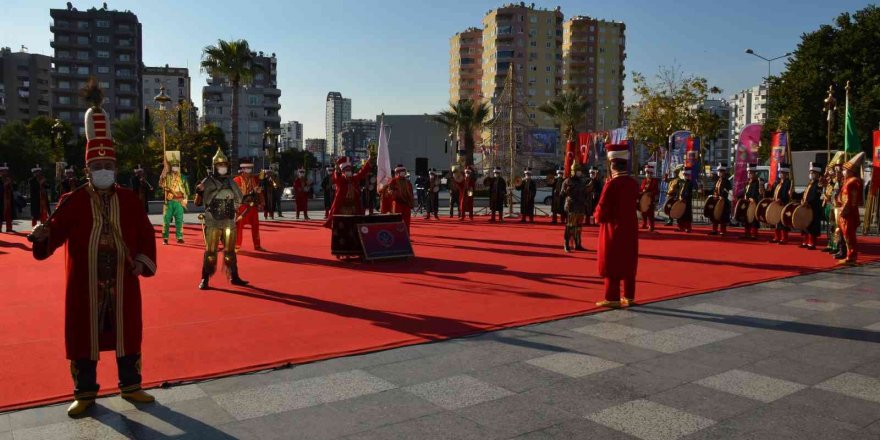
{"type": "Point", "coordinates": [343, 163]}
{"type": "Point", "coordinates": [617, 152]}
{"type": "Point", "coordinates": [99, 144]}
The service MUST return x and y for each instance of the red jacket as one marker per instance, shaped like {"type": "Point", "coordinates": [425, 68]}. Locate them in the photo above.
{"type": "Point", "coordinates": [618, 251]}
{"type": "Point", "coordinates": [653, 187]}
{"type": "Point", "coordinates": [347, 200]}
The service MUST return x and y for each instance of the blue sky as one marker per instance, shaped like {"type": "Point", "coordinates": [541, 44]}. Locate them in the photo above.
{"type": "Point", "coordinates": [393, 55]}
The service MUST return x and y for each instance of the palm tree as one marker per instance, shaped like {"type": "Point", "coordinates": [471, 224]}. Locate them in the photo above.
{"type": "Point", "coordinates": [465, 118]}
{"type": "Point", "coordinates": [232, 60]}
{"type": "Point", "coordinates": [569, 110]}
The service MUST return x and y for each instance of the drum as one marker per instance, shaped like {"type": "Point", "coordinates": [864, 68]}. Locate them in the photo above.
{"type": "Point", "coordinates": [718, 213]}
{"type": "Point", "coordinates": [645, 202]}
{"type": "Point", "coordinates": [667, 207]}
{"type": "Point", "coordinates": [774, 213]}
{"type": "Point", "coordinates": [709, 208]}
{"type": "Point", "coordinates": [740, 210]}
{"type": "Point", "coordinates": [751, 211]}
{"type": "Point", "coordinates": [761, 210]}
{"type": "Point", "coordinates": [344, 239]}
{"type": "Point", "coordinates": [802, 217]}
{"type": "Point", "coordinates": [787, 213]}
{"type": "Point", "coordinates": [677, 209]}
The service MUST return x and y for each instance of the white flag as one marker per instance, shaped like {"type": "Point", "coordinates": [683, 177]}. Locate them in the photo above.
{"type": "Point", "coordinates": [383, 160]}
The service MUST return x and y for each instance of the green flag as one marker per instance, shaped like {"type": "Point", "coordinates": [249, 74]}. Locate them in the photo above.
{"type": "Point", "coordinates": [851, 138]}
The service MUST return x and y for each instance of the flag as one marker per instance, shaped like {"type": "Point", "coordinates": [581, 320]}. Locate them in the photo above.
{"type": "Point", "coordinates": [851, 143]}
{"type": "Point", "coordinates": [383, 160]}
{"type": "Point", "coordinates": [585, 141]}
{"type": "Point", "coordinates": [746, 153]}
{"type": "Point", "coordinates": [778, 153]}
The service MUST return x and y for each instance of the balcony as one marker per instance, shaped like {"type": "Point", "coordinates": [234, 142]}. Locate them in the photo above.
{"type": "Point", "coordinates": [271, 92]}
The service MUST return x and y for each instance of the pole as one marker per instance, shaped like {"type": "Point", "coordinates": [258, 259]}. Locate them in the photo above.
{"type": "Point", "coordinates": [512, 143]}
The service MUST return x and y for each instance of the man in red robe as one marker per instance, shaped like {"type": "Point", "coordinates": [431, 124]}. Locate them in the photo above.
{"type": "Point", "coordinates": [109, 243]}
{"type": "Point", "coordinates": [248, 212]}
{"type": "Point", "coordinates": [301, 193]}
{"type": "Point", "coordinates": [850, 200]}
{"type": "Point", "coordinates": [618, 250]}
{"type": "Point", "coordinates": [347, 200]}
{"type": "Point", "coordinates": [466, 194]}
{"type": "Point", "coordinates": [401, 195]}
{"type": "Point", "coordinates": [650, 186]}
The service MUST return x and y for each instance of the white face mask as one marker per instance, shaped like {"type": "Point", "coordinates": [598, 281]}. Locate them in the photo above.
{"type": "Point", "coordinates": [300, 174]}
{"type": "Point", "coordinates": [175, 169]}
{"type": "Point", "coordinates": [347, 173]}
{"type": "Point", "coordinates": [222, 170]}
{"type": "Point", "coordinates": [103, 179]}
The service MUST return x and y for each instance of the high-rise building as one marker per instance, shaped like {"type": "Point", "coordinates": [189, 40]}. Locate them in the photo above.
{"type": "Point", "coordinates": [291, 136]}
{"type": "Point", "coordinates": [99, 43]}
{"type": "Point", "coordinates": [528, 41]}
{"type": "Point", "coordinates": [355, 136]}
{"type": "Point", "coordinates": [748, 106]}
{"type": "Point", "coordinates": [318, 147]}
{"type": "Point", "coordinates": [465, 65]}
{"type": "Point", "coordinates": [593, 55]}
{"type": "Point", "coordinates": [338, 110]}
{"type": "Point", "coordinates": [24, 85]}
{"type": "Point", "coordinates": [718, 149]}
{"type": "Point", "coordinates": [258, 106]}
{"type": "Point", "coordinates": [175, 79]}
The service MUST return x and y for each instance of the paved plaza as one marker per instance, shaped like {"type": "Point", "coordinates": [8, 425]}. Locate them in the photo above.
{"type": "Point", "coordinates": [792, 359]}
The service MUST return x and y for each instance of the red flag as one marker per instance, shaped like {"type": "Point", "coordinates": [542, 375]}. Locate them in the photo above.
{"type": "Point", "coordinates": [875, 173]}
{"type": "Point", "coordinates": [569, 156]}
{"type": "Point", "coordinates": [585, 140]}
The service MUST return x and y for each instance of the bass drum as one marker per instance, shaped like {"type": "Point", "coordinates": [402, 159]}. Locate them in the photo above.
{"type": "Point", "coordinates": [788, 213]}
{"type": "Point", "coordinates": [677, 210]}
{"type": "Point", "coordinates": [774, 213]}
{"type": "Point", "coordinates": [802, 217]}
{"type": "Point", "coordinates": [645, 202]}
{"type": "Point", "coordinates": [718, 213]}
{"type": "Point", "coordinates": [751, 211]}
{"type": "Point", "coordinates": [740, 210]}
{"type": "Point", "coordinates": [667, 207]}
{"type": "Point", "coordinates": [709, 208]}
{"type": "Point", "coordinates": [761, 210]}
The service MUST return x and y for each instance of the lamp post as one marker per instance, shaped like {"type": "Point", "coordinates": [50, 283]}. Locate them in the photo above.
{"type": "Point", "coordinates": [830, 107]}
{"type": "Point", "coordinates": [162, 99]}
{"type": "Point", "coordinates": [769, 61]}
{"type": "Point", "coordinates": [267, 141]}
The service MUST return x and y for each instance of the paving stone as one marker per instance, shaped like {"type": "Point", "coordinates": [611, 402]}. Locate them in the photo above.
{"type": "Point", "coordinates": [240, 382]}
{"type": "Point", "coordinates": [873, 327]}
{"type": "Point", "coordinates": [573, 364]}
{"type": "Point", "coordinates": [869, 304]}
{"type": "Point", "coordinates": [779, 422]}
{"type": "Point", "coordinates": [582, 398]}
{"type": "Point", "coordinates": [778, 285]}
{"type": "Point", "coordinates": [610, 330]}
{"type": "Point", "coordinates": [828, 284]}
{"type": "Point", "coordinates": [833, 405]}
{"type": "Point", "coordinates": [6, 435]}
{"type": "Point", "coordinates": [385, 408]}
{"type": "Point", "coordinates": [164, 396]}
{"type": "Point", "coordinates": [675, 367]}
{"type": "Point", "coordinates": [517, 376]}
{"type": "Point", "coordinates": [844, 354]}
{"type": "Point", "coordinates": [854, 385]}
{"type": "Point", "coordinates": [576, 429]}
{"type": "Point", "coordinates": [765, 343]}
{"type": "Point", "coordinates": [680, 338]}
{"type": "Point", "coordinates": [5, 424]}
{"type": "Point", "coordinates": [837, 322]}
{"type": "Point", "coordinates": [288, 396]}
{"type": "Point", "coordinates": [514, 415]}
{"type": "Point", "coordinates": [817, 304]}
{"type": "Point", "coordinates": [754, 386]}
{"type": "Point", "coordinates": [785, 368]}
{"type": "Point", "coordinates": [313, 423]}
{"type": "Point", "coordinates": [651, 421]}
{"type": "Point", "coordinates": [458, 392]}
{"type": "Point", "coordinates": [193, 418]}
{"type": "Point", "coordinates": [613, 315]}
{"type": "Point", "coordinates": [603, 348]}
{"type": "Point", "coordinates": [444, 425]}
{"type": "Point", "coordinates": [705, 402]}
{"type": "Point", "coordinates": [107, 426]}
{"type": "Point", "coordinates": [632, 381]}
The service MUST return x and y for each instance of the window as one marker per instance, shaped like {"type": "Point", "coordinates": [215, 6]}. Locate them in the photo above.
{"type": "Point", "coordinates": [533, 19]}
{"type": "Point", "coordinates": [124, 87]}
{"type": "Point", "coordinates": [64, 85]}
{"type": "Point", "coordinates": [124, 27]}
{"type": "Point", "coordinates": [124, 57]}
{"type": "Point", "coordinates": [64, 115]}
{"type": "Point", "coordinates": [63, 69]}
{"type": "Point", "coordinates": [533, 43]}
{"type": "Point", "coordinates": [102, 54]}
{"type": "Point", "coordinates": [125, 102]}
{"type": "Point", "coordinates": [549, 68]}
{"type": "Point", "coordinates": [64, 100]}
{"type": "Point", "coordinates": [125, 43]}
{"type": "Point", "coordinates": [549, 45]}
{"type": "Point", "coordinates": [82, 39]}
{"type": "Point", "coordinates": [82, 55]}
{"type": "Point", "coordinates": [63, 54]}
{"type": "Point", "coordinates": [123, 73]}
{"type": "Point", "coordinates": [102, 24]}
{"type": "Point", "coordinates": [104, 84]}
{"type": "Point", "coordinates": [254, 99]}
{"type": "Point", "coordinates": [82, 70]}
{"type": "Point", "coordinates": [82, 24]}
{"type": "Point", "coordinates": [103, 69]}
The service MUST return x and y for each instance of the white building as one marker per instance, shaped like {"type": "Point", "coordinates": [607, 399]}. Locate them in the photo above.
{"type": "Point", "coordinates": [718, 149]}
{"type": "Point", "coordinates": [291, 136]}
{"type": "Point", "coordinates": [338, 110]}
{"type": "Point", "coordinates": [749, 106]}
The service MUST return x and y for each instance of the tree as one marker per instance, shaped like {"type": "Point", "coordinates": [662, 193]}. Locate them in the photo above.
{"type": "Point", "coordinates": [232, 60]}
{"type": "Point", "coordinates": [832, 55]}
{"type": "Point", "coordinates": [291, 160]}
{"type": "Point", "coordinates": [465, 119]}
{"type": "Point", "coordinates": [569, 110]}
{"type": "Point", "coordinates": [131, 145]}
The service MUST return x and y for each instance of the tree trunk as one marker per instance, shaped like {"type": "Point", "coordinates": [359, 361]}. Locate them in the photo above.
{"type": "Point", "coordinates": [233, 154]}
{"type": "Point", "coordinates": [469, 149]}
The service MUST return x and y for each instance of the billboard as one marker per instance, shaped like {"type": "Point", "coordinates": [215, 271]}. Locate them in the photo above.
{"type": "Point", "coordinates": [544, 141]}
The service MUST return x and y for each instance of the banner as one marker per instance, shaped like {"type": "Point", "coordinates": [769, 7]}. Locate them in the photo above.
{"type": "Point", "coordinates": [545, 141]}
{"type": "Point", "coordinates": [851, 138]}
{"type": "Point", "coordinates": [778, 153]}
{"type": "Point", "coordinates": [746, 153]}
{"type": "Point", "coordinates": [673, 156]}
{"type": "Point", "coordinates": [585, 142]}
{"type": "Point", "coordinates": [875, 173]}
{"type": "Point", "coordinates": [383, 160]}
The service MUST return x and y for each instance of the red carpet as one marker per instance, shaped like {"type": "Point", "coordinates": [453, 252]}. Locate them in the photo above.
{"type": "Point", "coordinates": [305, 305]}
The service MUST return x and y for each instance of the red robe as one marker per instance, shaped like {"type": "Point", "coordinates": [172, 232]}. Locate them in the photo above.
{"type": "Point", "coordinates": [653, 187]}
{"type": "Point", "coordinates": [618, 250]}
{"type": "Point", "coordinates": [301, 194]}
{"type": "Point", "coordinates": [465, 201]}
{"type": "Point", "coordinates": [347, 200]}
{"type": "Point", "coordinates": [73, 226]}
{"type": "Point", "coordinates": [402, 200]}
{"type": "Point", "coordinates": [849, 220]}
{"type": "Point", "coordinates": [250, 214]}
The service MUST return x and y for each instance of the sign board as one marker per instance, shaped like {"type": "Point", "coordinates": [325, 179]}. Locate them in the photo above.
{"type": "Point", "coordinates": [385, 240]}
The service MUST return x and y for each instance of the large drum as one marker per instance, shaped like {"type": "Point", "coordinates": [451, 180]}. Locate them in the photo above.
{"type": "Point", "coordinates": [344, 239]}
{"type": "Point", "coordinates": [802, 217]}
{"type": "Point", "coordinates": [667, 207]}
{"type": "Point", "coordinates": [761, 210]}
{"type": "Point", "coordinates": [709, 208]}
{"type": "Point", "coordinates": [645, 202]}
{"type": "Point", "coordinates": [751, 211]}
{"type": "Point", "coordinates": [676, 211]}
{"type": "Point", "coordinates": [719, 210]}
{"type": "Point", "coordinates": [774, 213]}
{"type": "Point", "coordinates": [740, 210]}
{"type": "Point", "coordinates": [788, 213]}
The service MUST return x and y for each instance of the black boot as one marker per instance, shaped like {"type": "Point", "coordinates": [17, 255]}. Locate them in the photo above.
{"type": "Point", "coordinates": [577, 242]}
{"type": "Point", "coordinates": [203, 285]}
{"type": "Point", "coordinates": [567, 237]}
{"type": "Point", "coordinates": [236, 281]}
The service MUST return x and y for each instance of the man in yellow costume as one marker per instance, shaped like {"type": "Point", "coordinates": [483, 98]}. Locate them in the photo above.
{"type": "Point", "coordinates": [176, 195]}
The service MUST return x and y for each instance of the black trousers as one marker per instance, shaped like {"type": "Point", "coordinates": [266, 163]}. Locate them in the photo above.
{"type": "Point", "coordinates": [85, 377]}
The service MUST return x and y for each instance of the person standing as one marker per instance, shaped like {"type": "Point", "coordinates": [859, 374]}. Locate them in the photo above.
{"type": "Point", "coordinates": [176, 196]}
{"type": "Point", "coordinates": [347, 200]}
{"type": "Point", "coordinates": [301, 187]}
{"type": "Point", "coordinates": [329, 190]}
{"type": "Point", "coordinates": [371, 194]}
{"type": "Point", "coordinates": [782, 194]}
{"type": "Point", "coordinates": [421, 192]}
{"type": "Point", "coordinates": [270, 189]}
{"type": "Point", "coordinates": [39, 187]}
{"type": "Point", "coordinates": [649, 186]}
{"type": "Point", "coordinates": [850, 201]}
{"type": "Point", "coordinates": [497, 192]}
{"type": "Point", "coordinates": [454, 197]}
{"type": "Point", "coordinates": [142, 188]}
{"type": "Point", "coordinates": [7, 198]}
{"type": "Point", "coordinates": [527, 191]}
{"type": "Point", "coordinates": [722, 190]}
{"type": "Point", "coordinates": [433, 195]}
{"type": "Point", "coordinates": [617, 256]}
{"type": "Point", "coordinates": [557, 207]}
{"type": "Point", "coordinates": [754, 193]}
{"type": "Point", "coordinates": [109, 243]}
{"type": "Point", "coordinates": [685, 195]}
{"type": "Point", "coordinates": [69, 182]}
{"type": "Point", "coordinates": [221, 197]}
{"type": "Point", "coordinates": [401, 191]}
{"type": "Point", "coordinates": [575, 191]}
{"type": "Point", "coordinates": [252, 198]}
{"type": "Point", "coordinates": [812, 197]}
{"type": "Point", "coordinates": [672, 188]}
{"type": "Point", "coordinates": [596, 184]}
{"type": "Point", "coordinates": [466, 194]}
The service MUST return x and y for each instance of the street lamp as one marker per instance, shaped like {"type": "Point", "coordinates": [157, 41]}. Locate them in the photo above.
{"type": "Point", "coordinates": [769, 61]}
{"type": "Point", "coordinates": [162, 99]}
